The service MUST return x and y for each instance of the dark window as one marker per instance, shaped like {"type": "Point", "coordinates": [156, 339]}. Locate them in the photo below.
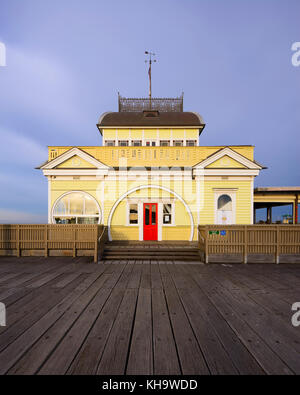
{"type": "Point", "coordinates": [154, 214]}
{"type": "Point", "coordinates": [167, 213]}
{"type": "Point", "coordinates": [133, 213]}
{"type": "Point", "coordinates": [147, 215]}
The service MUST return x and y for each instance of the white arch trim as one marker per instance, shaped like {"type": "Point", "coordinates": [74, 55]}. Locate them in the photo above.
{"type": "Point", "coordinates": [147, 187]}
{"type": "Point", "coordinates": [68, 193]}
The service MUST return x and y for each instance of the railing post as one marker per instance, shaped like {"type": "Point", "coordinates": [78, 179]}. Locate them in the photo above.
{"type": "Point", "coordinates": [96, 245]}
{"type": "Point", "coordinates": [277, 248]}
{"type": "Point", "coordinates": [245, 244]}
{"type": "Point", "coordinates": [74, 242]}
{"type": "Point", "coordinates": [46, 241]}
{"type": "Point", "coordinates": [18, 241]}
{"type": "Point", "coordinates": [206, 244]}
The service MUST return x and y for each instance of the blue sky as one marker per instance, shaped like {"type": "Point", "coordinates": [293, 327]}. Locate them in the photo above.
{"type": "Point", "coordinates": [67, 59]}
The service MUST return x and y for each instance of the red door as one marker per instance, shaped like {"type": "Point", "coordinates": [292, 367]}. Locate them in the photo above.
{"type": "Point", "coordinates": [150, 221]}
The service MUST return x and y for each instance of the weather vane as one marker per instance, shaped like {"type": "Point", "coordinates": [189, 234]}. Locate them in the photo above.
{"type": "Point", "coordinates": [150, 60]}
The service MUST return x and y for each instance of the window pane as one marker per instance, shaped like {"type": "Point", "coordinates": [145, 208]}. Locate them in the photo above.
{"type": "Point", "coordinates": [87, 220]}
{"type": "Point", "coordinates": [153, 214]}
{"type": "Point", "coordinates": [178, 143]}
{"type": "Point", "coordinates": [75, 203]}
{"type": "Point", "coordinates": [133, 213]}
{"type": "Point", "coordinates": [164, 143]}
{"type": "Point", "coordinates": [167, 214]}
{"type": "Point", "coordinates": [61, 208]}
{"type": "Point", "coordinates": [224, 203]}
{"type": "Point", "coordinates": [110, 143]}
{"type": "Point", "coordinates": [90, 206]}
{"type": "Point", "coordinates": [123, 143]}
{"type": "Point", "coordinates": [65, 220]}
{"type": "Point", "coordinates": [147, 214]}
{"type": "Point", "coordinates": [153, 143]}
{"type": "Point", "coordinates": [137, 143]}
{"type": "Point", "coordinates": [191, 143]}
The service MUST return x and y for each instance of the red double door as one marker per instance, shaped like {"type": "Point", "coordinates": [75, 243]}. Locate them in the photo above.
{"type": "Point", "coordinates": [150, 221]}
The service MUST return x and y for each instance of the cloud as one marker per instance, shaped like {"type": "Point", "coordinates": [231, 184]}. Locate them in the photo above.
{"type": "Point", "coordinates": [21, 217]}
{"type": "Point", "coordinates": [38, 86]}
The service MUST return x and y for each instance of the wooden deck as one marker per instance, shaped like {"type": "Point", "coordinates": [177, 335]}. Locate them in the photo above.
{"type": "Point", "coordinates": [65, 316]}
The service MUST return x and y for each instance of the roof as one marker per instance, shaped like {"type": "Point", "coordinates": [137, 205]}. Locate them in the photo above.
{"type": "Point", "coordinates": [277, 189]}
{"type": "Point", "coordinates": [151, 119]}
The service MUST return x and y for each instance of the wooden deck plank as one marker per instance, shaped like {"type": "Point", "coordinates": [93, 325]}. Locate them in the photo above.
{"type": "Point", "coordinates": [114, 357]}
{"type": "Point", "coordinates": [164, 348]}
{"type": "Point", "coordinates": [140, 359]}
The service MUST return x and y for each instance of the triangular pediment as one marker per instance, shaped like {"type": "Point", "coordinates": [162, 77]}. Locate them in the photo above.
{"type": "Point", "coordinates": [226, 158]}
{"type": "Point", "coordinates": [76, 162]}
{"type": "Point", "coordinates": [74, 158]}
{"type": "Point", "coordinates": [226, 162]}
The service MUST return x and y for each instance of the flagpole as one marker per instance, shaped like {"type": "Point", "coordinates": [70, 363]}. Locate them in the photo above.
{"type": "Point", "coordinates": [150, 76]}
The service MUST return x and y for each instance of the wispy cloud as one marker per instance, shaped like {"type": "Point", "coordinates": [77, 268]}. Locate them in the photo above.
{"type": "Point", "coordinates": [39, 86]}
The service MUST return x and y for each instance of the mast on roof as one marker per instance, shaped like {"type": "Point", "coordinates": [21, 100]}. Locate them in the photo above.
{"type": "Point", "coordinates": [150, 60]}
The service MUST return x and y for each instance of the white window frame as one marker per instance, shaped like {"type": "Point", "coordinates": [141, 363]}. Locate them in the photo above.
{"type": "Point", "coordinates": [129, 202]}
{"type": "Point", "coordinates": [172, 214]}
{"type": "Point", "coordinates": [231, 192]}
{"type": "Point", "coordinates": [53, 216]}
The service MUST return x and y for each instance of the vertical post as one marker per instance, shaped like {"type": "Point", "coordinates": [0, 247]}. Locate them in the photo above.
{"type": "Point", "coordinates": [46, 240]}
{"type": "Point", "coordinates": [74, 242]}
{"type": "Point", "coordinates": [18, 241]}
{"type": "Point", "coordinates": [277, 248]}
{"type": "Point", "coordinates": [206, 244]}
{"type": "Point", "coordinates": [96, 245]}
{"type": "Point", "coordinates": [296, 210]}
{"type": "Point", "coordinates": [269, 214]}
{"type": "Point", "coordinates": [245, 244]}
{"type": "Point", "coordinates": [254, 215]}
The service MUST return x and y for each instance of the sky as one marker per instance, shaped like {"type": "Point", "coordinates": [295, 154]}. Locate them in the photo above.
{"type": "Point", "coordinates": [67, 59]}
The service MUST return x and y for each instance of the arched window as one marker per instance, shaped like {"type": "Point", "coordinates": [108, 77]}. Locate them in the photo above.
{"type": "Point", "coordinates": [76, 208]}
{"type": "Point", "coordinates": [225, 203]}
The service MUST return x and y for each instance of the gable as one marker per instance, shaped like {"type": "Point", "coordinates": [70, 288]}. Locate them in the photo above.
{"type": "Point", "coordinates": [75, 162]}
{"type": "Point", "coordinates": [227, 158]}
{"type": "Point", "coordinates": [226, 162]}
{"type": "Point", "coordinates": [75, 158]}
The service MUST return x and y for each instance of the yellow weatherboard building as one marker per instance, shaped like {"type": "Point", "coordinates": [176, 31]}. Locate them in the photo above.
{"type": "Point", "coordinates": [151, 179]}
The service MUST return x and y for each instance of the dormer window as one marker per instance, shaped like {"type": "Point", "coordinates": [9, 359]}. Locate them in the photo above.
{"type": "Point", "coordinates": [137, 143]}
{"type": "Point", "coordinates": [178, 143]}
{"type": "Point", "coordinates": [191, 143]}
{"type": "Point", "coordinates": [164, 143]}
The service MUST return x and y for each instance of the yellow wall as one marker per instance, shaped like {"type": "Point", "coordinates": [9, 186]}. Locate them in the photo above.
{"type": "Point", "coordinates": [107, 192]}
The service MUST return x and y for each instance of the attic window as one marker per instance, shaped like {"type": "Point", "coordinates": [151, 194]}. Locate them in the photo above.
{"type": "Point", "coordinates": [151, 113]}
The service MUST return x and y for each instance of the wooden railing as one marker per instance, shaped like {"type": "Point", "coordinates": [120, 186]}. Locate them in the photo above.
{"type": "Point", "coordinates": [248, 240]}
{"type": "Point", "coordinates": [52, 240]}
